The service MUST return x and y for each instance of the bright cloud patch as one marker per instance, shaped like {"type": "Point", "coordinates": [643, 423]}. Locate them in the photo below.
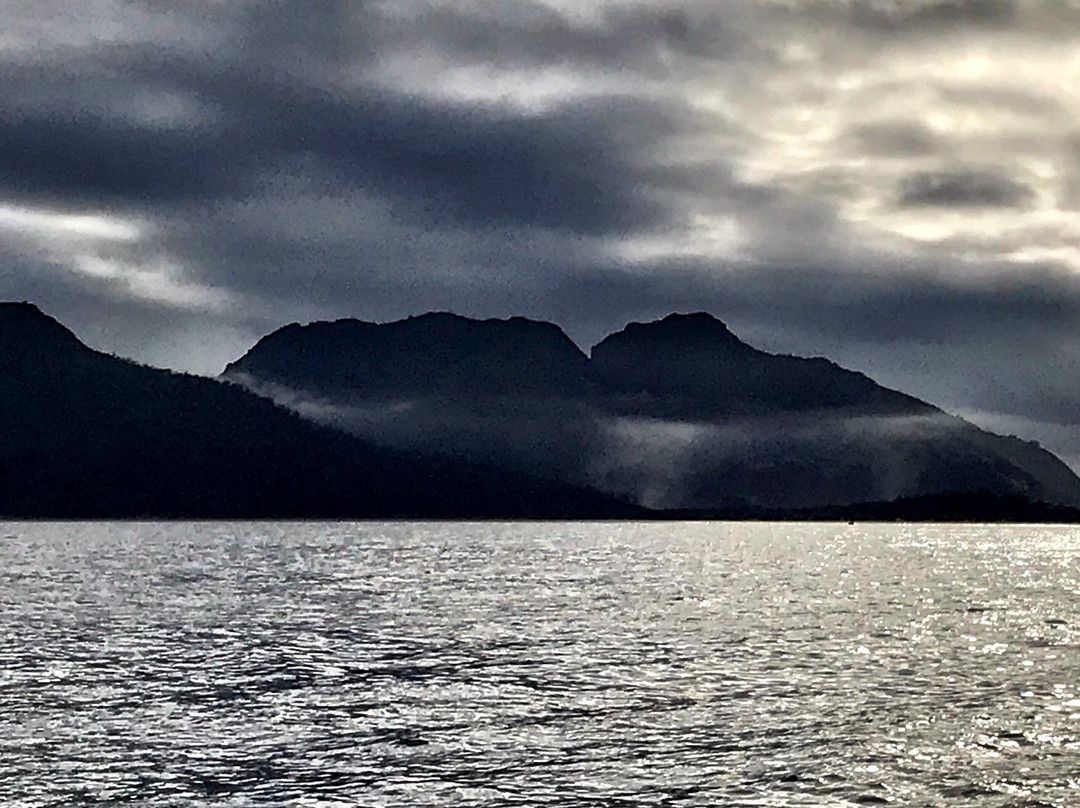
{"type": "Point", "coordinates": [109, 250]}
{"type": "Point", "coordinates": [45, 224]}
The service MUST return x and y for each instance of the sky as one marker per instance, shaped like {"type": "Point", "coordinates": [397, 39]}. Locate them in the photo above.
{"type": "Point", "coordinates": [894, 184]}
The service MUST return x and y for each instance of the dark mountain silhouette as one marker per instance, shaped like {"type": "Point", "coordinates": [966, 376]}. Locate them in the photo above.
{"type": "Point", "coordinates": [684, 366]}
{"type": "Point", "coordinates": [690, 366]}
{"type": "Point", "coordinates": [508, 393]}
{"type": "Point", "coordinates": [90, 435]}
{"type": "Point", "coordinates": [433, 354]}
{"type": "Point", "coordinates": [676, 414]}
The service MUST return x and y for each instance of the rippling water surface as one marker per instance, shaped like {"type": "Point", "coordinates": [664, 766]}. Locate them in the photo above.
{"type": "Point", "coordinates": [539, 664]}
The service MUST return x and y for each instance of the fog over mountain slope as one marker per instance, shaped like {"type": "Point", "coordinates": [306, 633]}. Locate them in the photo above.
{"type": "Point", "coordinates": [677, 413]}
{"type": "Point", "coordinates": [87, 435]}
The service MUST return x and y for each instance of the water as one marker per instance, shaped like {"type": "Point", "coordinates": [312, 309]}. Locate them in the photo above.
{"type": "Point", "coordinates": [538, 664]}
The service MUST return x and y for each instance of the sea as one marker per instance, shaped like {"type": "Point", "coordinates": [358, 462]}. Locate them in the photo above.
{"type": "Point", "coordinates": [539, 664]}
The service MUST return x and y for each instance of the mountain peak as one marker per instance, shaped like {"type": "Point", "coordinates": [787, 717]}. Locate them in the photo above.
{"type": "Point", "coordinates": [696, 330]}
{"type": "Point", "coordinates": [11, 310]}
{"type": "Point", "coordinates": [24, 328]}
{"type": "Point", "coordinates": [697, 333]}
{"type": "Point", "coordinates": [696, 321]}
{"type": "Point", "coordinates": [435, 353]}
{"type": "Point", "coordinates": [447, 319]}
{"type": "Point", "coordinates": [692, 366]}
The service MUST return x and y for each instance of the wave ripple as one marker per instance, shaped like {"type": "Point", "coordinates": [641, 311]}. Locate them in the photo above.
{"type": "Point", "coordinates": [538, 664]}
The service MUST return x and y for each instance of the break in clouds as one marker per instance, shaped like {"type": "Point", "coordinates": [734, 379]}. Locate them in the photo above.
{"type": "Point", "coordinates": [893, 184]}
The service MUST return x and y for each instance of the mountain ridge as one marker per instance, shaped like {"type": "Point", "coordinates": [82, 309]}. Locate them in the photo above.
{"type": "Point", "coordinates": [27, 333]}
{"type": "Point", "coordinates": [691, 361]}
{"type": "Point", "coordinates": [437, 350]}
{"type": "Point", "coordinates": [676, 413]}
{"type": "Point", "coordinates": [89, 435]}
{"type": "Point", "coordinates": [544, 435]}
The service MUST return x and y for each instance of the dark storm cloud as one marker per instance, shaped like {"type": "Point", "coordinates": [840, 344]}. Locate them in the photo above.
{"type": "Point", "coordinates": [892, 16]}
{"type": "Point", "coordinates": [434, 187]}
{"type": "Point", "coordinates": [93, 160]}
{"type": "Point", "coordinates": [929, 309]}
{"type": "Point", "coordinates": [893, 138]}
{"type": "Point", "coordinates": [965, 189]}
{"type": "Point", "coordinates": [866, 307]}
{"type": "Point", "coordinates": [573, 168]}
{"type": "Point", "coordinates": [324, 32]}
{"type": "Point", "coordinates": [530, 34]}
{"type": "Point", "coordinates": [584, 163]}
{"type": "Point", "coordinates": [916, 17]}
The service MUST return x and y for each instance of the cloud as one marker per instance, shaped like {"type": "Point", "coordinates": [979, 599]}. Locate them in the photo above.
{"type": "Point", "coordinates": [626, 37]}
{"type": "Point", "coordinates": [933, 15]}
{"type": "Point", "coordinates": [210, 129]}
{"type": "Point", "coordinates": [892, 138]}
{"type": "Point", "coordinates": [891, 184]}
{"type": "Point", "coordinates": [962, 189]}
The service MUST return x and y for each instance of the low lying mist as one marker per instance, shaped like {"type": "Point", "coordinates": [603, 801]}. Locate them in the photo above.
{"type": "Point", "coordinates": [550, 439]}
{"type": "Point", "coordinates": [773, 461]}
{"type": "Point", "coordinates": [777, 461]}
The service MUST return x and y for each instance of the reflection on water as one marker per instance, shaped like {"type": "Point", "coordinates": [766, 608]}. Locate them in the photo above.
{"type": "Point", "coordinates": [538, 664]}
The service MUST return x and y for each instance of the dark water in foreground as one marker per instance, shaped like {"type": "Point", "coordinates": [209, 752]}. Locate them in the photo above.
{"type": "Point", "coordinates": [524, 665]}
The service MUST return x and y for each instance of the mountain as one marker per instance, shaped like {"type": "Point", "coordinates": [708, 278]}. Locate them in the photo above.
{"type": "Point", "coordinates": [690, 366]}
{"type": "Point", "coordinates": [443, 416]}
{"type": "Point", "coordinates": [684, 366]}
{"type": "Point", "coordinates": [434, 354]}
{"type": "Point", "coordinates": [674, 414]}
{"type": "Point", "coordinates": [91, 436]}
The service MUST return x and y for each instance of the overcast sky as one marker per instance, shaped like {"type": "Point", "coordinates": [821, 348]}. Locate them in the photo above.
{"type": "Point", "coordinates": [892, 183]}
